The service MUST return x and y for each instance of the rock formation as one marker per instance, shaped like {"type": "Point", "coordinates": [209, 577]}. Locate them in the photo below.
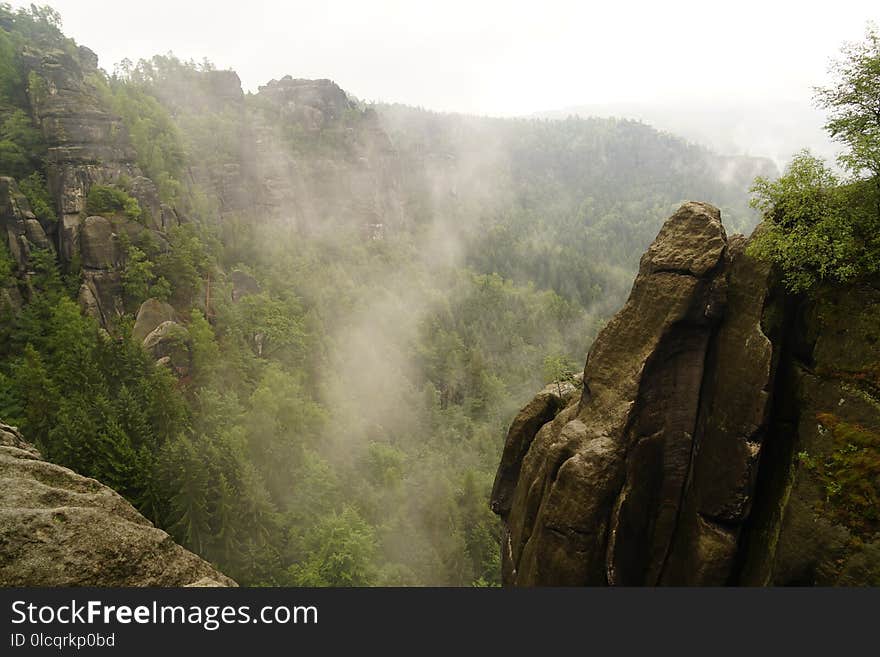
{"type": "Point", "coordinates": [683, 460]}
{"type": "Point", "coordinates": [58, 528]}
{"type": "Point", "coordinates": [151, 313]}
{"type": "Point", "coordinates": [87, 145]}
{"type": "Point", "coordinates": [170, 344]}
{"type": "Point", "coordinates": [157, 327]}
{"type": "Point", "coordinates": [18, 225]}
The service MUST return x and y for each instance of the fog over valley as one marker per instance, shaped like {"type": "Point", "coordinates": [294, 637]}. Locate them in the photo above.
{"type": "Point", "coordinates": [460, 294]}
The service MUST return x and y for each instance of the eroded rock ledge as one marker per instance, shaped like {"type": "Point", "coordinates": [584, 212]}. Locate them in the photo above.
{"type": "Point", "coordinates": [58, 528]}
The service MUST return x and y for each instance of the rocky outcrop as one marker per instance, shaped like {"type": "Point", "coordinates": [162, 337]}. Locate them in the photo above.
{"type": "Point", "coordinates": [100, 294]}
{"type": "Point", "coordinates": [99, 246]}
{"type": "Point", "coordinates": [170, 344]}
{"type": "Point", "coordinates": [87, 145]}
{"type": "Point", "coordinates": [21, 232]}
{"type": "Point", "coordinates": [157, 327]}
{"type": "Point", "coordinates": [302, 150]}
{"type": "Point", "coordinates": [819, 517]}
{"type": "Point", "coordinates": [58, 528]}
{"type": "Point", "coordinates": [311, 103]}
{"type": "Point", "coordinates": [682, 461]}
{"type": "Point", "coordinates": [19, 227]}
{"type": "Point", "coordinates": [151, 313]}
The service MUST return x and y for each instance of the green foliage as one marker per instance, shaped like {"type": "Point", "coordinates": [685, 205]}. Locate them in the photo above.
{"type": "Point", "coordinates": [33, 26]}
{"type": "Point", "coordinates": [384, 465]}
{"type": "Point", "coordinates": [90, 402]}
{"type": "Point", "coordinates": [106, 200]}
{"type": "Point", "coordinates": [156, 140]}
{"type": "Point", "coordinates": [341, 422]}
{"type": "Point", "coordinates": [818, 228]}
{"type": "Point", "coordinates": [184, 264]}
{"type": "Point", "coordinates": [272, 325]}
{"type": "Point", "coordinates": [41, 202]}
{"type": "Point", "coordinates": [338, 551]}
{"type": "Point", "coordinates": [205, 350]}
{"type": "Point", "coordinates": [10, 74]}
{"type": "Point", "coordinates": [46, 275]}
{"type": "Point", "coordinates": [7, 265]}
{"type": "Point", "coordinates": [21, 146]}
{"type": "Point", "coordinates": [559, 369]}
{"type": "Point", "coordinates": [854, 119]}
{"type": "Point", "coordinates": [37, 24]}
{"type": "Point", "coordinates": [805, 195]}
{"type": "Point", "coordinates": [37, 88]}
{"type": "Point", "coordinates": [850, 475]}
{"type": "Point", "coordinates": [137, 277]}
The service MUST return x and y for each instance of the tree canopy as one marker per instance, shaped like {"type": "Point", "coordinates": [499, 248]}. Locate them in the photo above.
{"type": "Point", "coordinates": [818, 226]}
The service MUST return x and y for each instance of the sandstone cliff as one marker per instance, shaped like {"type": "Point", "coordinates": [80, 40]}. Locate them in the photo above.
{"type": "Point", "coordinates": [58, 528]}
{"type": "Point", "coordinates": [87, 145]}
{"type": "Point", "coordinates": [726, 434]}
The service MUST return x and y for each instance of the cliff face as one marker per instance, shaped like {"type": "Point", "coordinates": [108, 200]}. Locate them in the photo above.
{"type": "Point", "coordinates": [21, 231]}
{"type": "Point", "coordinates": [87, 145]}
{"type": "Point", "coordinates": [725, 434]}
{"type": "Point", "coordinates": [58, 528]}
{"type": "Point", "coordinates": [299, 150]}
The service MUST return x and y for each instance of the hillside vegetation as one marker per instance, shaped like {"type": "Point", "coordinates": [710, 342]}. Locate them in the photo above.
{"type": "Point", "coordinates": [359, 298]}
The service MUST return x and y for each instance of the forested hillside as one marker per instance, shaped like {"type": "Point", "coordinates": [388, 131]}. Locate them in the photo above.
{"type": "Point", "coordinates": [292, 328]}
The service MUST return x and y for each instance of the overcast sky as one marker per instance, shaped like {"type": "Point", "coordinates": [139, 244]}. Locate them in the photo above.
{"type": "Point", "coordinates": [492, 56]}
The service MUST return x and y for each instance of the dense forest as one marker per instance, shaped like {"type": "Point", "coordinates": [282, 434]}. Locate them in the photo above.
{"type": "Point", "coordinates": [362, 297]}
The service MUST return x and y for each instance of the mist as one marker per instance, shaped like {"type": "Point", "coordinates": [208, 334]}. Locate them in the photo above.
{"type": "Point", "coordinates": [504, 58]}
{"type": "Point", "coordinates": [394, 224]}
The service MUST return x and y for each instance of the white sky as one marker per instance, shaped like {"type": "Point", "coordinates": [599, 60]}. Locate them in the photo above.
{"type": "Point", "coordinates": [493, 56]}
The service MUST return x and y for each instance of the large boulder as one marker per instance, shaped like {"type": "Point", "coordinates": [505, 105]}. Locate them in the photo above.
{"type": "Point", "coordinates": [151, 313]}
{"type": "Point", "coordinates": [58, 528]}
{"type": "Point", "coordinates": [170, 343]}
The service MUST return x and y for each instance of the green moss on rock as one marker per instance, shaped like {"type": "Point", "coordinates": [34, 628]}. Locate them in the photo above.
{"type": "Point", "coordinates": [850, 475]}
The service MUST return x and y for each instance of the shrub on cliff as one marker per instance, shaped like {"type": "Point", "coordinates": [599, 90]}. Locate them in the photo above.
{"type": "Point", "coordinates": [815, 228]}
{"type": "Point", "coordinates": [35, 190]}
{"type": "Point", "coordinates": [106, 200]}
{"type": "Point", "coordinates": [818, 227]}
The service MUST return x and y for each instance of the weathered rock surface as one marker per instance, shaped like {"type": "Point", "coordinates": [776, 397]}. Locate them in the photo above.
{"type": "Point", "coordinates": [312, 102]}
{"type": "Point", "coordinates": [151, 313]}
{"type": "Point", "coordinates": [682, 461]}
{"type": "Point", "coordinates": [100, 295]}
{"type": "Point", "coordinates": [99, 246]}
{"type": "Point", "coordinates": [819, 523]}
{"type": "Point", "coordinates": [58, 528]}
{"type": "Point", "coordinates": [170, 343]}
{"type": "Point", "coordinates": [19, 228]}
{"type": "Point", "coordinates": [87, 145]}
{"type": "Point", "coordinates": [339, 169]}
